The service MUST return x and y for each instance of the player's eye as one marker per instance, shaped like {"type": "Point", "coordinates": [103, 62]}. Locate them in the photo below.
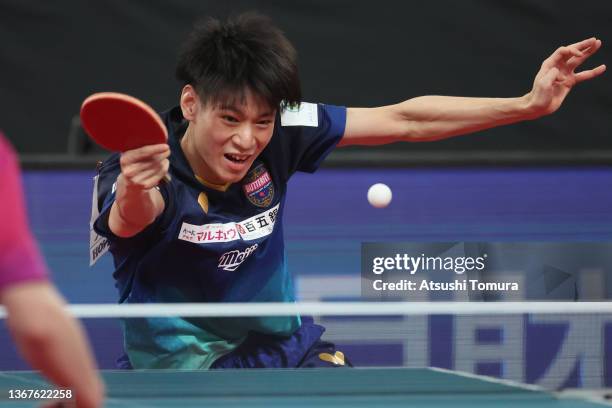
{"type": "Point", "coordinates": [264, 123]}
{"type": "Point", "coordinates": [229, 118]}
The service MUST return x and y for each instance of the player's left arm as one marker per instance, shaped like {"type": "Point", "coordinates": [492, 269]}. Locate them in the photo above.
{"type": "Point", "coordinates": [429, 118]}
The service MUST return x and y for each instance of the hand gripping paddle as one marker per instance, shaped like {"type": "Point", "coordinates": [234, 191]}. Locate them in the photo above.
{"type": "Point", "coordinates": [120, 122]}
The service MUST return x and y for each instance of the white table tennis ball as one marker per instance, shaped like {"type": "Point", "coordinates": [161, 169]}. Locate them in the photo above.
{"type": "Point", "coordinates": [379, 195]}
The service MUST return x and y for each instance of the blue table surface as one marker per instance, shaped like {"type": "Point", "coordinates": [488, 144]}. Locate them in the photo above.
{"type": "Point", "coordinates": [363, 387]}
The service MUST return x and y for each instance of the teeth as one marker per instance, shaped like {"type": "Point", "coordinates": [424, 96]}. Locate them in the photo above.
{"type": "Point", "coordinates": [237, 158]}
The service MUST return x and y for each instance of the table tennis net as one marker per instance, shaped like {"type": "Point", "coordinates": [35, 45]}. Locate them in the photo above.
{"type": "Point", "coordinates": [555, 345]}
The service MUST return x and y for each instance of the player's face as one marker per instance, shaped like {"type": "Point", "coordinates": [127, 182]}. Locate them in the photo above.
{"type": "Point", "coordinates": [229, 138]}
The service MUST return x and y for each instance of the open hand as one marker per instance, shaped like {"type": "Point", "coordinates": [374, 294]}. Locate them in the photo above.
{"type": "Point", "coordinates": [557, 76]}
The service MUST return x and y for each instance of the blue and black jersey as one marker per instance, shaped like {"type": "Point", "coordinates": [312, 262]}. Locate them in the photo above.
{"type": "Point", "coordinates": [214, 244]}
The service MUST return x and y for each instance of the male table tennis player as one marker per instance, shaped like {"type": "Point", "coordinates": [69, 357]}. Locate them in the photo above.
{"type": "Point", "coordinates": [214, 234]}
{"type": "Point", "coordinates": [45, 334]}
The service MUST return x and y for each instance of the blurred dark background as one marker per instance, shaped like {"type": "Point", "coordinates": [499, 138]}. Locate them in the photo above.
{"type": "Point", "coordinates": [355, 53]}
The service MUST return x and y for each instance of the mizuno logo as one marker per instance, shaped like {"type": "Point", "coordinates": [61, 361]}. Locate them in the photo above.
{"type": "Point", "coordinates": [231, 260]}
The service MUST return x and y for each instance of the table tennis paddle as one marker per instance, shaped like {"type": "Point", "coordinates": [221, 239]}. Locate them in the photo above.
{"type": "Point", "coordinates": [120, 122]}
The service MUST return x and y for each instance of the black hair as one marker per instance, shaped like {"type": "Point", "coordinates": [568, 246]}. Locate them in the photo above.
{"type": "Point", "coordinates": [222, 60]}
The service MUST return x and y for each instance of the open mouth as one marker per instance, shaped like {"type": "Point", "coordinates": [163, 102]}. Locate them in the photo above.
{"type": "Point", "coordinates": [236, 158]}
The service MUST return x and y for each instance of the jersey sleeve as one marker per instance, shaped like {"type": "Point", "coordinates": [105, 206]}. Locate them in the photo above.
{"type": "Point", "coordinates": [304, 137]}
{"type": "Point", "coordinates": [104, 194]}
{"type": "Point", "coordinates": [20, 259]}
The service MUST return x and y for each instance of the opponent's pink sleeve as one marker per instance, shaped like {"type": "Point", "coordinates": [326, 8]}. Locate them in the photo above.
{"type": "Point", "coordinates": [20, 259]}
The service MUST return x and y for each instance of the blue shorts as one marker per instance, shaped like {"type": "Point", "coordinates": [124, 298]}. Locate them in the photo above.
{"type": "Point", "coordinates": [303, 349]}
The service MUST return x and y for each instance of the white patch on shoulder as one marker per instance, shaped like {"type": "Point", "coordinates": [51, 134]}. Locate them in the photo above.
{"type": "Point", "coordinates": [306, 115]}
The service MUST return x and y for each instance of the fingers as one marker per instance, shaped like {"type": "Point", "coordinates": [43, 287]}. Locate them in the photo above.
{"type": "Point", "coordinates": [583, 44]}
{"type": "Point", "coordinates": [133, 171]}
{"type": "Point", "coordinates": [143, 168]}
{"type": "Point", "coordinates": [561, 55]}
{"type": "Point", "coordinates": [590, 74]}
{"type": "Point", "coordinates": [576, 61]}
{"type": "Point", "coordinates": [147, 178]}
{"type": "Point", "coordinates": [577, 50]}
{"type": "Point", "coordinates": [150, 178]}
{"type": "Point", "coordinates": [145, 152]}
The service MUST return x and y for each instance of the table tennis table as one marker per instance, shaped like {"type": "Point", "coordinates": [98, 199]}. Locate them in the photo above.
{"type": "Point", "coordinates": [333, 388]}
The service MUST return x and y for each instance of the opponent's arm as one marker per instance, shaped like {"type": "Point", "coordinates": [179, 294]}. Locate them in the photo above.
{"type": "Point", "coordinates": [428, 118]}
{"type": "Point", "coordinates": [138, 202]}
{"type": "Point", "coordinates": [52, 341]}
